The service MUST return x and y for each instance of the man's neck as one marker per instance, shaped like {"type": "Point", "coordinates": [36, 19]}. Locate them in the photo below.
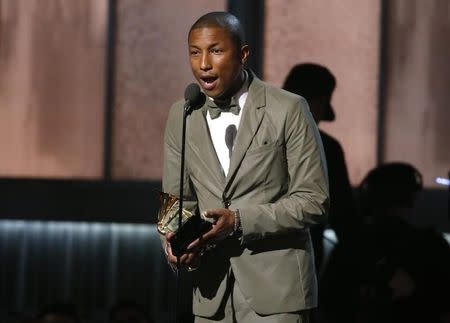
{"type": "Point", "coordinates": [233, 90]}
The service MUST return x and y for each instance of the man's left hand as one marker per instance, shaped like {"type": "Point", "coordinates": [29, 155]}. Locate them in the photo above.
{"type": "Point", "coordinates": [223, 226]}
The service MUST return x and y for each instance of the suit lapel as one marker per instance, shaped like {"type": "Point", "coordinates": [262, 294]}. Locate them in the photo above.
{"type": "Point", "coordinates": [249, 125]}
{"type": "Point", "coordinates": [201, 144]}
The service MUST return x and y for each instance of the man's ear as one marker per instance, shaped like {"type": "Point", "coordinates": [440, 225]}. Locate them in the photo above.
{"type": "Point", "coordinates": [245, 51]}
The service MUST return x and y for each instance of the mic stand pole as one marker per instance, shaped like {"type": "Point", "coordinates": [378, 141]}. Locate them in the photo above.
{"type": "Point", "coordinates": [186, 110]}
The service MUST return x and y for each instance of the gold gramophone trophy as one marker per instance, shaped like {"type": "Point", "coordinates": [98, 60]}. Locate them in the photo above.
{"type": "Point", "coordinates": [192, 226]}
{"type": "Point", "coordinates": [168, 213]}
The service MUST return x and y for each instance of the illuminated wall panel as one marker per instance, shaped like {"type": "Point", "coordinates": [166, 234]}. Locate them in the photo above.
{"type": "Point", "coordinates": [152, 71]}
{"type": "Point", "coordinates": [417, 119]}
{"type": "Point", "coordinates": [52, 87]}
{"type": "Point", "coordinates": [344, 36]}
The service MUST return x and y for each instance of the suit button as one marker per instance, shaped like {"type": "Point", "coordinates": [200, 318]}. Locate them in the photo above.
{"type": "Point", "coordinates": [227, 203]}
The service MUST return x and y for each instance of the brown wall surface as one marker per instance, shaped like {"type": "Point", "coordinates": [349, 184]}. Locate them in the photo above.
{"type": "Point", "coordinates": [52, 80]}
{"type": "Point", "coordinates": [51, 87]}
{"type": "Point", "coordinates": [344, 36]}
{"type": "Point", "coordinates": [417, 119]}
{"type": "Point", "coordinates": [152, 71]}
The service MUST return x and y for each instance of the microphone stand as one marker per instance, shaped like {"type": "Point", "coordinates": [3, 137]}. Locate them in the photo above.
{"type": "Point", "coordinates": [186, 111]}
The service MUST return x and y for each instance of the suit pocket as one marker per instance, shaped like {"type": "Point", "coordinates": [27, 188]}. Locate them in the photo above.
{"type": "Point", "coordinates": [264, 168]}
{"type": "Point", "coordinates": [265, 147]}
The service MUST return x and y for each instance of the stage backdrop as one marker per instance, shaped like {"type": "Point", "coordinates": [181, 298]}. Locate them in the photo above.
{"type": "Point", "coordinates": [152, 71]}
{"type": "Point", "coordinates": [343, 36]}
{"type": "Point", "coordinates": [52, 80]}
{"type": "Point", "coordinates": [417, 116]}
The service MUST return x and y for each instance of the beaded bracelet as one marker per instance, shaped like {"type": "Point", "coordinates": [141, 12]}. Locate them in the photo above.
{"type": "Point", "coordinates": [237, 230]}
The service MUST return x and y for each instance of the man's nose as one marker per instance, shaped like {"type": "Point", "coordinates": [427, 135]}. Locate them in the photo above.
{"type": "Point", "coordinates": [205, 63]}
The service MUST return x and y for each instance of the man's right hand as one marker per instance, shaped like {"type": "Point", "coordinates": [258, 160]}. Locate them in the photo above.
{"type": "Point", "coordinates": [190, 259]}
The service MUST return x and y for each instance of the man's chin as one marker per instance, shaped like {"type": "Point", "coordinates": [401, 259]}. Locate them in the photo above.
{"type": "Point", "coordinates": [213, 94]}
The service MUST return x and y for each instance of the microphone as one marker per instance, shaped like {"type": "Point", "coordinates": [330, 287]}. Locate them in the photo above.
{"type": "Point", "coordinates": [230, 134]}
{"type": "Point", "coordinates": [194, 226]}
{"type": "Point", "coordinates": [194, 97]}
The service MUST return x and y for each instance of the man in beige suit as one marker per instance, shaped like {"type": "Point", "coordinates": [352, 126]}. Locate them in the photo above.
{"type": "Point", "coordinates": [255, 167]}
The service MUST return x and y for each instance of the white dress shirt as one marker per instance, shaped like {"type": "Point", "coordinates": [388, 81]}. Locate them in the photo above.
{"type": "Point", "coordinates": [218, 126]}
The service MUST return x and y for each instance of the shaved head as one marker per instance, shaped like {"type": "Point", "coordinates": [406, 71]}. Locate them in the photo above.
{"type": "Point", "coordinates": [224, 20]}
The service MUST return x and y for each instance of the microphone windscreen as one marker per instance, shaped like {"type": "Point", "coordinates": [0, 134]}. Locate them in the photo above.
{"type": "Point", "coordinates": [230, 134]}
{"type": "Point", "coordinates": [194, 98]}
{"type": "Point", "coordinates": [192, 92]}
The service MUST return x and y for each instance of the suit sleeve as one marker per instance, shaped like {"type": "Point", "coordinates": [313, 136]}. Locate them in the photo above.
{"type": "Point", "coordinates": [307, 199]}
{"type": "Point", "coordinates": [172, 160]}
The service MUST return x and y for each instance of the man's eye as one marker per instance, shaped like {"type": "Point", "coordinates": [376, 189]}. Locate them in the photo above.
{"type": "Point", "coordinates": [194, 52]}
{"type": "Point", "coordinates": [216, 51]}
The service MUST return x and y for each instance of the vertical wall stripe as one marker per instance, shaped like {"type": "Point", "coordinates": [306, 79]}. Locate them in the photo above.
{"type": "Point", "coordinates": [251, 15]}
{"type": "Point", "coordinates": [381, 82]}
{"type": "Point", "coordinates": [109, 88]}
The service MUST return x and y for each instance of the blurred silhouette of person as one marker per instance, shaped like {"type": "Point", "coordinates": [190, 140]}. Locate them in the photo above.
{"type": "Point", "coordinates": [393, 272]}
{"type": "Point", "coordinates": [128, 312]}
{"type": "Point", "coordinates": [58, 313]}
{"type": "Point", "coordinates": [412, 264]}
{"type": "Point", "coordinates": [316, 84]}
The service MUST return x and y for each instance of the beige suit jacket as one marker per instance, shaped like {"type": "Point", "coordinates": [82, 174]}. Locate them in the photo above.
{"type": "Point", "coordinates": [278, 181]}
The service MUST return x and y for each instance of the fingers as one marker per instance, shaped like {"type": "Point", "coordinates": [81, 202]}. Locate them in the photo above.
{"type": "Point", "coordinates": [214, 213]}
{"type": "Point", "coordinates": [188, 259]}
{"type": "Point", "coordinates": [195, 244]}
{"type": "Point", "coordinates": [222, 227]}
{"type": "Point", "coordinates": [206, 239]}
{"type": "Point", "coordinates": [169, 236]}
{"type": "Point", "coordinates": [212, 235]}
{"type": "Point", "coordinates": [219, 230]}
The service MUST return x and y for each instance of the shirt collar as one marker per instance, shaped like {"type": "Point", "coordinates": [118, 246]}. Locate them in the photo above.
{"type": "Point", "coordinates": [241, 95]}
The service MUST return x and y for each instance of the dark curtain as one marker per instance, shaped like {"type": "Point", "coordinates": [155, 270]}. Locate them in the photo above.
{"type": "Point", "coordinates": [91, 265]}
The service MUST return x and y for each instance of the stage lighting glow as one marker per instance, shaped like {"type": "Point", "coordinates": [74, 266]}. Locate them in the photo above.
{"type": "Point", "coordinates": [443, 181]}
{"type": "Point", "coordinates": [83, 228]}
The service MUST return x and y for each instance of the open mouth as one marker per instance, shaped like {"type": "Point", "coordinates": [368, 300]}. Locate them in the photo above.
{"type": "Point", "coordinates": [208, 83]}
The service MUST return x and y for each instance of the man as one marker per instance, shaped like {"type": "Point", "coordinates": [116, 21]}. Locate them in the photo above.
{"type": "Point", "coordinates": [316, 84]}
{"type": "Point", "coordinates": [380, 277]}
{"type": "Point", "coordinates": [261, 189]}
